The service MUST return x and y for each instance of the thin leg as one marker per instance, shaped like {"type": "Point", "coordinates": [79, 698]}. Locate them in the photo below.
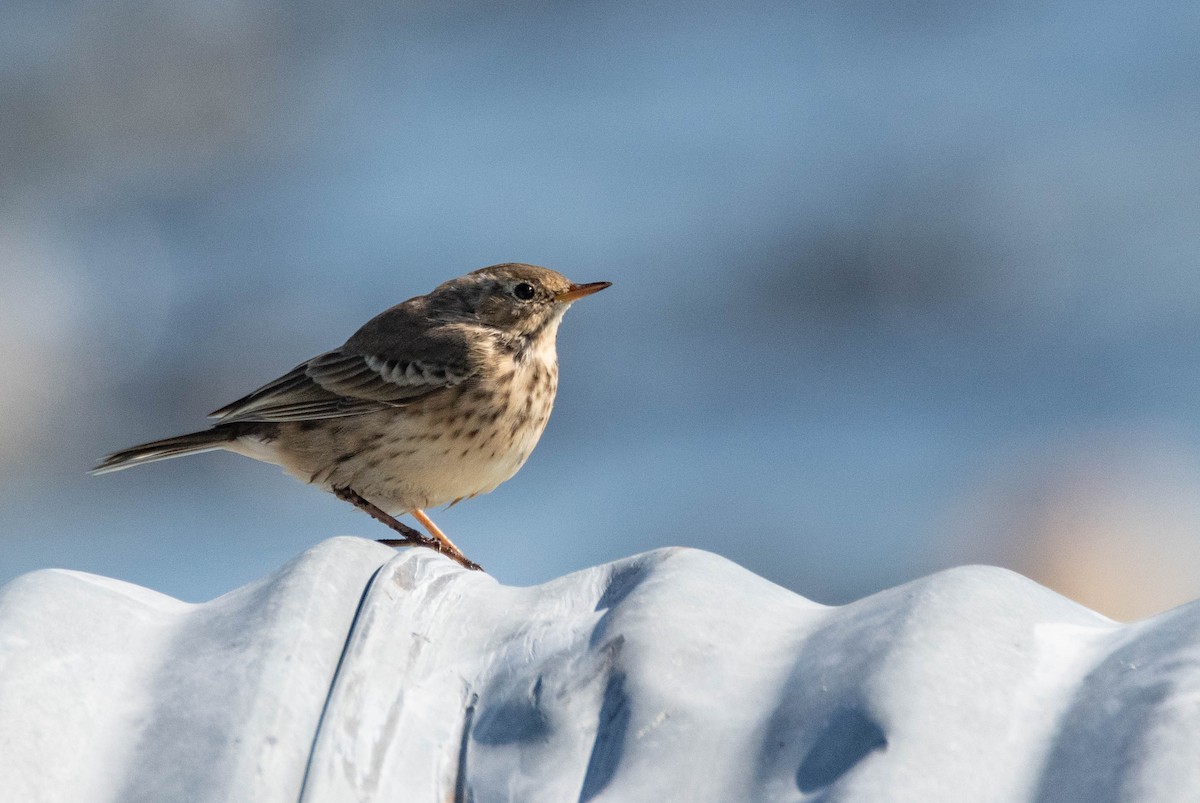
{"type": "Point", "coordinates": [444, 540]}
{"type": "Point", "coordinates": [411, 536]}
{"type": "Point", "coordinates": [434, 530]}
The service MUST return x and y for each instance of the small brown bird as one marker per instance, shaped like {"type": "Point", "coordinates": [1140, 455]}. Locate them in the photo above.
{"type": "Point", "coordinates": [438, 399]}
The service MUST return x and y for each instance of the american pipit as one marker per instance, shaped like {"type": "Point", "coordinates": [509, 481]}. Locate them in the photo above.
{"type": "Point", "coordinates": [438, 399]}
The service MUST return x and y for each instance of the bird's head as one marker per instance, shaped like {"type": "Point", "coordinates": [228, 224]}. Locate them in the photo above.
{"type": "Point", "coordinates": [520, 300]}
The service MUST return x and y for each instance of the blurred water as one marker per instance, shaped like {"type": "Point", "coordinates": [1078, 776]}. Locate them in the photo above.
{"type": "Point", "coordinates": [886, 274]}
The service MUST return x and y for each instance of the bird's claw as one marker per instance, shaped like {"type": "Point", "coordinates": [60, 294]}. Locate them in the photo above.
{"type": "Point", "coordinates": [436, 546]}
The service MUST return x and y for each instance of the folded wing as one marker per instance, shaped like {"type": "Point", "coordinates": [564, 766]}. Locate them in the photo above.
{"type": "Point", "coordinates": [367, 374]}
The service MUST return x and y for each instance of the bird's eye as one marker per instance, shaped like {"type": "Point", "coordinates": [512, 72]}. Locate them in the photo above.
{"type": "Point", "coordinates": [523, 291]}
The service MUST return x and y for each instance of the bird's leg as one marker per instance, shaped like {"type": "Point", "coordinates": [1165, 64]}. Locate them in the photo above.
{"type": "Point", "coordinates": [442, 538]}
{"type": "Point", "coordinates": [411, 536]}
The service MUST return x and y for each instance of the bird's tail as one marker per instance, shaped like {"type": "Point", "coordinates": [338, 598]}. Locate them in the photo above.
{"type": "Point", "coordinates": [192, 443]}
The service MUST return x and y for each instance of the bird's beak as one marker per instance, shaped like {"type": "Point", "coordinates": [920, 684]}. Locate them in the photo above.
{"type": "Point", "coordinates": [578, 291]}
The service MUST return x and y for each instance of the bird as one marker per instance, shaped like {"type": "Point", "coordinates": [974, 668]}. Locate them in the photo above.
{"type": "Point", "coordinates": [438, 399]}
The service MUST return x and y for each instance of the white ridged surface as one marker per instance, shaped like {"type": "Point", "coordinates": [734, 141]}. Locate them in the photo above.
{"type": "Point", "coordinates": [673, 675]}
{"type": "Point", "coordinates": [112, 692]}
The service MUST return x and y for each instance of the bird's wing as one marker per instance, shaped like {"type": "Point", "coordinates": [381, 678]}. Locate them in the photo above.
{"type": "Point", "coordinates": [295, 396]}
{"type": "Point", "coordinates": [394, 360]}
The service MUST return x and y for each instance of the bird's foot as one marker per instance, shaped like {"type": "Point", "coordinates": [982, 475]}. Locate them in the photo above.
{"type": "Point", "coordinates": [458, 557]}
{"type": "Point", "coordinates": [410, 536]}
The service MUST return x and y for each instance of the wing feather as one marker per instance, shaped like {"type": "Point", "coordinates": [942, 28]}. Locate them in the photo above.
{"type": "Point", "coordinates": [381, 366]}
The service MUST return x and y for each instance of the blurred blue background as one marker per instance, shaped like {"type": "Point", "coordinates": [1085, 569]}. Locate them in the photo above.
{"type": "Point", "coordinates": [898, 285]}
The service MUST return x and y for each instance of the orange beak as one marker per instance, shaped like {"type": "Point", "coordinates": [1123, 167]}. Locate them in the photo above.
{"type": "Point", "coordinates": [578, 291]}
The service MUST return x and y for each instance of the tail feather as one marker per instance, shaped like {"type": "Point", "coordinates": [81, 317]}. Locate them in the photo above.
{"type": "Point", "coordinates": [192, 443]}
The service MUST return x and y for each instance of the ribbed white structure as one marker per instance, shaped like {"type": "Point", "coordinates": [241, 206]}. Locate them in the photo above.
{"type": "Point", "coordinates": [359, 674]}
